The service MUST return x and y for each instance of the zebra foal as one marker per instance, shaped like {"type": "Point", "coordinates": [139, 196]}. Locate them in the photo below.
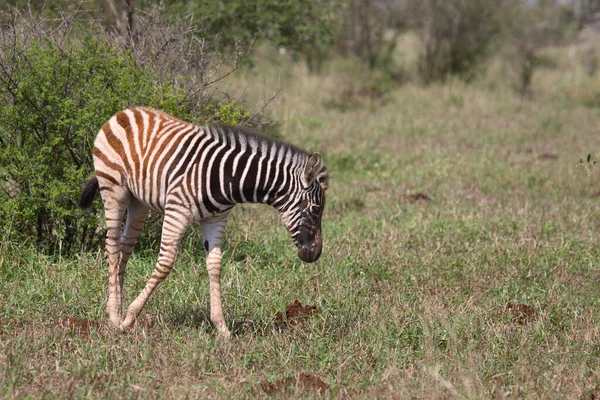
{"type": "Point", "coordinates": [146, 159]}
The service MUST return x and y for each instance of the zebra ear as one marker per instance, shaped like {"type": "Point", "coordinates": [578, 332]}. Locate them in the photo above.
{"type": "Point", "coordinates": [312, 168]}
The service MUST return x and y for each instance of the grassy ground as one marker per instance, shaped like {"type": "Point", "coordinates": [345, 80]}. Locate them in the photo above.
{"type": "Point", "coordinates": [461, 260]}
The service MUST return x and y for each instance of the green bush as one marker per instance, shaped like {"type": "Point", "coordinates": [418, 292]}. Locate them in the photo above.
{"type": "Point", "coordinates": [370, 31]}
{"type": "Point", "coordinates": [528, 30]}
{"type": "Point", "coordinates": [307, 27]}
{"type": "Point", "coordinates": [54, 97]}
{"type": "Point", "coordinates": [456, 36]}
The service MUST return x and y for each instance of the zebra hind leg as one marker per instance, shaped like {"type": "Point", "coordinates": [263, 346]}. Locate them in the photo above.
{"type": "Point", "coordinates": [174, 226]}
{"type": "Point", "coordinates": [213, 230]}
{"type": "Point", "coordinates": [116, 200]}
{"type": "Point", "coordinates": [136, 217]}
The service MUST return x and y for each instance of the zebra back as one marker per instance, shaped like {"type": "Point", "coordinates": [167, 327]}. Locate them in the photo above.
{"type": "Point", "coordinates": [208, 169]}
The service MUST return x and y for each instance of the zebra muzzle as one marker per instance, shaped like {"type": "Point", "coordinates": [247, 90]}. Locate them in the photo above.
{"type": "Point", "coordinates": [311, 252]}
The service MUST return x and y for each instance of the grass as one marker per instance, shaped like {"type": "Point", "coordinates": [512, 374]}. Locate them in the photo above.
{"type": "Point", "coordinates": [461, 260]}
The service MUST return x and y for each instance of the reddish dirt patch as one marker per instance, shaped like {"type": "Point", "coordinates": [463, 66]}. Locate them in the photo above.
{"type": "Point", "coordinates": [521, 313]}
{"type": "Point", "coordinates": [296, 312]}
{"type": "Point", "coordinates": [80, 326]}
{"type": "Point", "coordinates": [296, 384]}
{"type": "Point", "coordinates": [548, 156]}
{"type": "Point", "coordinates": [420, 196]}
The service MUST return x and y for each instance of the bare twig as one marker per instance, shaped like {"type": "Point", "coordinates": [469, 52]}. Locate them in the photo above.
{"type": "Point", "coordinates": [116, 16]}
{"type": "Point", "coordinates": [239, 59]}
{"type": "Point", "coordinates": [264, 105]}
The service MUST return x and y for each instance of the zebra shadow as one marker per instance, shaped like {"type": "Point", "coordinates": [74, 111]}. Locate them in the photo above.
{"type": "Point", "coordinates": [199, 318]}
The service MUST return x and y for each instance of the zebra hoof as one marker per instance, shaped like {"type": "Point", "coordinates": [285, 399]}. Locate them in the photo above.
{"type": "Point", "coordinates": [222, 331]}
{"type": "Point", "coordinates": [224, 335]}
{"type": "Point", "coordinates": [125, 327]}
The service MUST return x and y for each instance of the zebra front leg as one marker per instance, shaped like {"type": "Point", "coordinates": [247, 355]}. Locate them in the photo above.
{"type": "Point", "coordinates": [174, 226]}
{"type": "Point", "coordinates": [213, 230]}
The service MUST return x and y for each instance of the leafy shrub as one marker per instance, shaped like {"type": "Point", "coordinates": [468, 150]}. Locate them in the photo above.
{"type": "Point", "coordinates": [307, 27]}
{"type": "Point", "coordinates": [55, 93]}
{"type": "Point", "coordinates": [529, 29]}
{"type": "Point", "coordinates": [456, 35]}
{"type": "Point", "coordinates": [370, 30]}
{"type": "Point", "coordinates": [357, 85]}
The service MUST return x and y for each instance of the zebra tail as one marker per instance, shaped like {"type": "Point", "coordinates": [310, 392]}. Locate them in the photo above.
{"type": "Point", "coordinates": [90, 189]}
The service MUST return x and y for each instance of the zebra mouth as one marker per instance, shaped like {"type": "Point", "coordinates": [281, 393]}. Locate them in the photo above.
{"type": "Point", "coordinates": [309, 256]}
{"type": "Point", "coordinates": [311, 253]}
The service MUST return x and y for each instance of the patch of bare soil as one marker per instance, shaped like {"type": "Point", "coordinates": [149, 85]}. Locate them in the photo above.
{"type": "Point", "coordinates": [419, 196]}
{"type": "Point", "coordinates": [80, 326]}
{"type": "Point", "coordinates": [548, 156]}
{"type": "Point", "coordinates": [296, 312]}
{"type": "Point", "coordinates": [521, 313]}
{"type": "Point", "coordinates": [296, 384]}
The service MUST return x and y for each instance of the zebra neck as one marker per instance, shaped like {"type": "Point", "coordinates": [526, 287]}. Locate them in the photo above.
{"type": "Point", "coordinates": [244, 167]}
{"type": "Point", "coordinates": [284, 195]}
{"type": "Point", "coordinates": [270, 178]}
{"type": "Point", "coordinates": [276, 190]}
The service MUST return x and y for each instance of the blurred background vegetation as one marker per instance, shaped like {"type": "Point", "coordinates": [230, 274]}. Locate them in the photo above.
{"type": "Point", "coordinates": [66, 67]}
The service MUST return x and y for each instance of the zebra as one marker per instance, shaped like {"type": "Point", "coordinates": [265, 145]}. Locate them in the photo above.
{"type": "Point", "coordinates": [145, 160]}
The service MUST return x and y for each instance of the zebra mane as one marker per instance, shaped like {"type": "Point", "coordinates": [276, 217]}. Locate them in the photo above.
{"type": "Point", "coordinates": [258, 139]}
{"type": "Point", "coordinates": [254, 137]}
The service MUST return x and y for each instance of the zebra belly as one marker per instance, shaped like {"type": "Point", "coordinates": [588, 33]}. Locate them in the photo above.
{"type": "Point", "coordinates": [144, 195]}
{"type": "Point", "coordinates": [168, 192]}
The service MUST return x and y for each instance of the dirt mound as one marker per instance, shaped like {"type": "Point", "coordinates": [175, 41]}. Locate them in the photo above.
{"type": "Point", "coordinates": [296, 312]}
{"type": "Point", "coordinates": [521, 313]}
{"type": "Point", "coordinates": [296, 384]}
{"type": "Point", "coordinates": [80, 326]}
{"type": "Point", "coordinates": [420, 196]}
{"type": "Point", "coordinates": [548, 156]}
